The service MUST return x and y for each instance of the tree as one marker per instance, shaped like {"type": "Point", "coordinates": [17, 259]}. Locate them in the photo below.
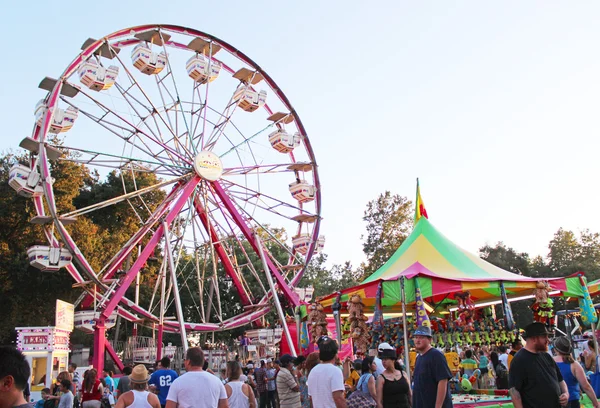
{"type": "Point", "coordinates": [389, 222]}
{"type": "Point", "coordinates": [507, 259]}
{"type": "Point", "coordinates": [516, 262]}
{"type": "Point", "coordinates": [326, 281]}
{"type": "Point", "coordinates": [569, 254]}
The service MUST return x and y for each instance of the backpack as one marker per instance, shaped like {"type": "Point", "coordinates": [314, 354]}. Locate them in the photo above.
{"type": "Point", "coordinates": [501, 371]}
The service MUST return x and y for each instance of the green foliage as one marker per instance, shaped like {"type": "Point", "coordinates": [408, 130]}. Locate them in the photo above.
{"type": "Point", "coordinates": [328, 280]}
{"type": "Point", "coordinates": [389, 221]}
{"type": "Point", "coordinates": [569, 254]}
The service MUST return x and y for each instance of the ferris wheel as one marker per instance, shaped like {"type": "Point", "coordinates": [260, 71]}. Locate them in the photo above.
{"type": "Point", "coordinates": [231, 162]}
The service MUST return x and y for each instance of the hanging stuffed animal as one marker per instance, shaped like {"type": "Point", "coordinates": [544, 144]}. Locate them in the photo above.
{"type": "Point", "coordinates": [357, 319]}
{"type": "Point", "coordinates": [318, 322]}
{"type": "Point", "coordinates": [543, 307]}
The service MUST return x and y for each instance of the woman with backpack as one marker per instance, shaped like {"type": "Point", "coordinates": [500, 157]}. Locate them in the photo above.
{"type": "Point", "coordinates": [572, 373]}
{"type": "Point", "coordinates": [365, 394]}
{"type": "Point", "coordinates": [500, 372]}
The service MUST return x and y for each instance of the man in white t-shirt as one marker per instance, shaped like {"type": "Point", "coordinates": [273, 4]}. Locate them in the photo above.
{"type": "Point", "coordinates": [503, 357]}
{"type": "Point", "coordinates": [196, 388]}
{"type": "Point", "coordinates": [326, 381]}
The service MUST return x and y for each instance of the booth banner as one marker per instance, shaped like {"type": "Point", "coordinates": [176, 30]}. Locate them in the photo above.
{"type": "Point", "coordinates": [45, 339]}
{"type": "Point", "coordinates": [345, 350]}
{"type": "Point", "coordinates": [65, 315]}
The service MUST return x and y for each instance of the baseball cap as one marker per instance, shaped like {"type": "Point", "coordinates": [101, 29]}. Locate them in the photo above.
{"type": "Point", "coordinates": [385, 346]}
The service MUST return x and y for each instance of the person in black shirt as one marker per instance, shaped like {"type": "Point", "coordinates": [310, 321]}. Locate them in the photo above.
{"type": "Point", "coordinates": [534, 378]}
{"type": "Point", "coordinates": [14, 376]}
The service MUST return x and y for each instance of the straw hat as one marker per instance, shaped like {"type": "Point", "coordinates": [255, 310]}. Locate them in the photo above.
{"type": "Point", "coordinates": [139, 374]}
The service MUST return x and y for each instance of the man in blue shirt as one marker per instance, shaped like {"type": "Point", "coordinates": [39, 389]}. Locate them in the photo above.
{"type": "Point", "coordinates": [110, 383]}
{"type": "Point", "coordinates": [161, 380]}
{"type": "Point", "coordinates": [431, 374]}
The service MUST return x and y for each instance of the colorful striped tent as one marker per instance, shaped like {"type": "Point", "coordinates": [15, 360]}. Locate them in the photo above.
{"type": "Point", "coordinates": [441, 269]}
{"type": "Point", "coordinates": [594, 287]}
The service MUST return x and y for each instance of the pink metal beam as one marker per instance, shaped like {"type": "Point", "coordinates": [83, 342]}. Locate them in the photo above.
{"type": "Point", "coordinates": [221, 252]}
{"type": "Point", "coordinates": [99, 345]}
{"type": "Point", "coordinates": [135, 240]}
{"type": "Point", "coordinates": [249, 234]}
{"type": "Point", "coordinates": [113, 355]}
{"type": "Point", "coordinates": [149, 249]}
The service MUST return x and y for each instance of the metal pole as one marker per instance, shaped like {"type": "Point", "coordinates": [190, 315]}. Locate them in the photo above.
{"type": "Point", "coordinates": [161, 322]}
{"type": "Point", "coordinates": [298, 328]}
{"type": "Point", "coordinates": [405, 330]}
{"type": "Point", "coordinates": [594, 325]}
{"type": "Point", "coordinates": [286, 330]}
{"type": "Point", "coordinates": [137, 287]}
{"type": "Point", "coordinates": [336, 307]}
{"type": "Point", "coordinates": [184, 341]}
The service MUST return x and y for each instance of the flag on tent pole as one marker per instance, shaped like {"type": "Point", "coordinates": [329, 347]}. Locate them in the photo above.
{"type": "Point", "coordinates": [420, 210]}
{"type": "Point", "coordinates": [422, 317]}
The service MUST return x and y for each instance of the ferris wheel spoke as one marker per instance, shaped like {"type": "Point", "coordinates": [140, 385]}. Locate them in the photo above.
{"type": "Point", "coordinates": [249, 234]}
{"type": "Point", "coordinates": [153, 111]}
{"type": "Point", "coordinates": [246, 193]}
{"type": "Point", "coordinates": [90, 157]}
{"type": "Point", "coordinates": [246, 140]}
{"type": "Point", "coordinates": [130, 128]}
{"type": "Point", "coordinates": [116, 200]}
{"type": "Point", "coordinates": [177, 100]}
{"type": "Point", "coordinates": [231, 231]}
{"type": "Point", "coordinates": [266, 169]}
{"type": "Point", "coordinates": [225, 260]}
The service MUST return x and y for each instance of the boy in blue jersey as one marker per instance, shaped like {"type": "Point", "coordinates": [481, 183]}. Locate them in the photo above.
{"type": "Point", "coordinates": [161, 380]}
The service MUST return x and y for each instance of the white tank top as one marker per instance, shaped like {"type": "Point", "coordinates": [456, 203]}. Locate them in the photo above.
{"type": "Point", "coordinates": [238, 399]}
{"type": "Point", "coordinates": [140, 399]}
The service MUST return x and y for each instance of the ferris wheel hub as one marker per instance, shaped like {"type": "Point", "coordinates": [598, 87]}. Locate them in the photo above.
{"type": "Point", "coordinates": [208, 165]}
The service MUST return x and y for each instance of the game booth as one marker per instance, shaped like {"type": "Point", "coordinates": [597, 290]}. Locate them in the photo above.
{"type": "Point", "coordinates": [431, 281]}
{"type": "Point", "coordinates": [47, 349]}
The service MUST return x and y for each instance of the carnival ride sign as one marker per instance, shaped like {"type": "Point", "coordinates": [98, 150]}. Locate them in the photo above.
{"type": "Point", "coordinates": [65, 315]}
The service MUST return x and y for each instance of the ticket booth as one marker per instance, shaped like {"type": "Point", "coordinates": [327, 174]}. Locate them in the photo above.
{"type": "Point", "coordinates": [47, 352]}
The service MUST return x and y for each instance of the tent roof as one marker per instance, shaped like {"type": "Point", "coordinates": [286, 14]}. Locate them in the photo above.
{"type": "Point", "coordinates": [441, 269]}
{"type": "Point", "coordinates": [427, 252]}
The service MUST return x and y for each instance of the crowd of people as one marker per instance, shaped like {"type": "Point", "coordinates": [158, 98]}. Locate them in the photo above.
{"type": "Point", "coordinates": [534, 377]}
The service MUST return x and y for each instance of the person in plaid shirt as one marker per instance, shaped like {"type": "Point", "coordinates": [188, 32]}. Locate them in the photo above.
{"type": "Point", "coordinates": [260, 376]}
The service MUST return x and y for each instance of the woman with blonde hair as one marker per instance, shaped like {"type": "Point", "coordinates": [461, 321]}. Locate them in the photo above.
{"type": "Point", "coordinates": [572, 373]}
{"type": "Point", "coordinates": [138, 396]}
{"type": "Point", "coordinates": [239, 394]}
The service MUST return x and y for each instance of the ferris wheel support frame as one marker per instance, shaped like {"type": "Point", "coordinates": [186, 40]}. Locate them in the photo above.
{"type": "Point", "coordinates": [249, 234]}
{"type": "Point", "coordinates": [100, 328]}
{"type": "Point", "coordinates": [226, 262]}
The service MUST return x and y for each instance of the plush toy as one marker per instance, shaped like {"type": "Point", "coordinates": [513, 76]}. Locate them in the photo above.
{"type": "Point", "coordinates": [355, 307]}
{"type": "Point", "coordinates": [477, 339]}
{"type": "Point", "coordinates": [543, 306]}
{"type": "Point", "coordinates": [458, 338]}
{"type": "Point", "coordinates": [465, 384]}
{"type": "Point", "coordinates": [360, 331]}
{"type": "Point", "coordinates": [318, 322]}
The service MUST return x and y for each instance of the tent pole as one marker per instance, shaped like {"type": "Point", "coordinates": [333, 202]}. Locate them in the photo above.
{"type": "Point", "coordinates": [405, 330]}
{"type": "Point", "coordinates": [336, 307]}
{"type": "Point", "coordinates": [298, 330]}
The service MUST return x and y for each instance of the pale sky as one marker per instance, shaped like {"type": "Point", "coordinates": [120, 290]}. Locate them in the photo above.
{"type": "Point", "coordinates": [494, 106]}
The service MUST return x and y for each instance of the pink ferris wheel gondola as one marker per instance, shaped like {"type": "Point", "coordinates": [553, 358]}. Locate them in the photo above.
{"type": "Point", "coordinates": [227, 148]}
